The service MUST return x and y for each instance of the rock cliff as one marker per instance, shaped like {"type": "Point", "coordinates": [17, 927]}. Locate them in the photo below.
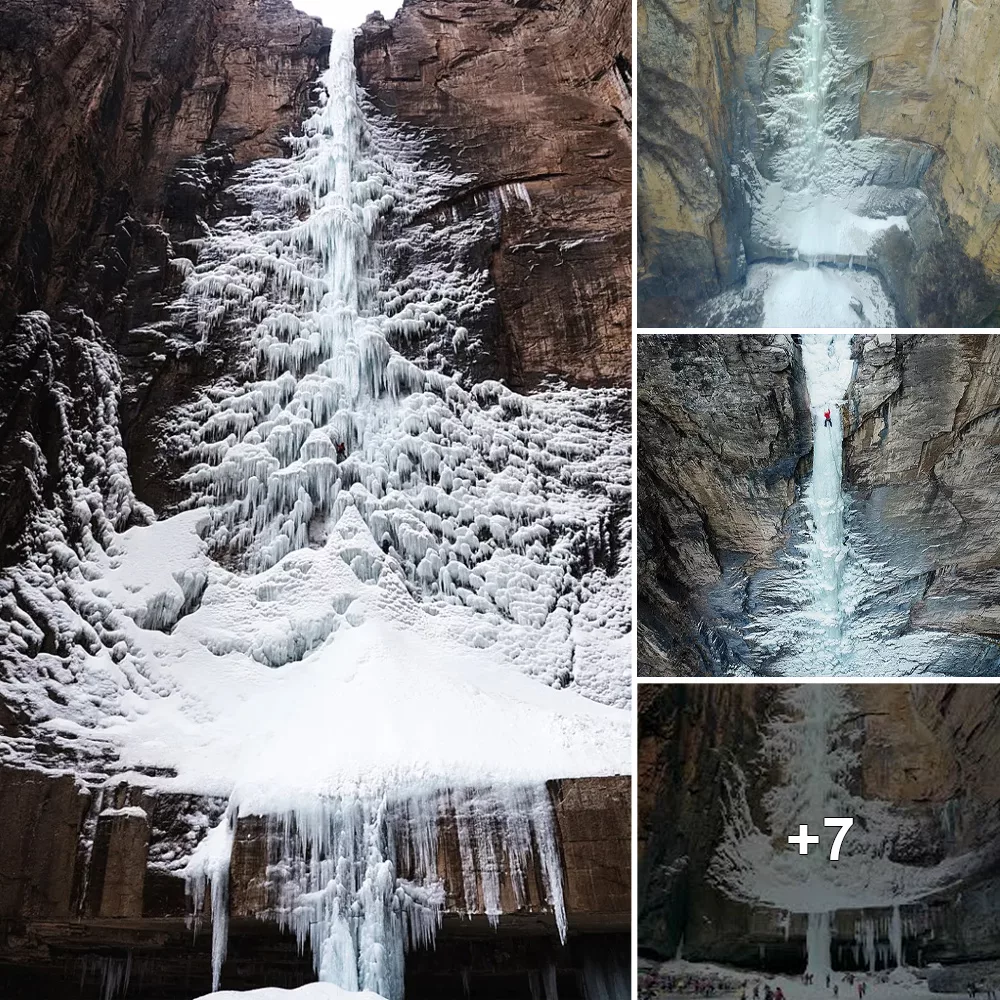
{"type": "Point", "coordinates": [921, 92]}
{"type": "Point", "coordinates": [929, 750]}
{"type": "Point", "coordinates": [119, 123]}
{"type": "Point", "coordinates": [533, 101]}
{"type": "Point", "coordinates": [722, 425]}
{"type": "Point", "coordinates": [724, 451]}
{"type": "Point", "coordinates": [100, 101]}
{"type": "Point", "coordinates": [921, 454]}
{"type": "Point", "coordinates": [87, 898]}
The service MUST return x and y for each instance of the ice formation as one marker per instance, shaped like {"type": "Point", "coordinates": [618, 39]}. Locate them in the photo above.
{"type": "Point", "coordinates": [357, 878]}
{"type": "Point", "coordinates": [311, 991]}
{"type": "Point", "coordinates": [813, 746]}
{"type": "Point", "coordinates": [836, 601]}
{"type": "Point", "coordinates": [820, 619]}
{"type": "Point", "coordinates": [393, 598]}
{"type": "Point", "coordinates": [821, 199]}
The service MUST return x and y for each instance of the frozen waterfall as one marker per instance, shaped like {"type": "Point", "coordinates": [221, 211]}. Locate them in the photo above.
{"type": "Point", "coordinates": [817, 216]}
{"type": "Point", "coordinates": [829, 367]}
{"type": "Point", "coordinates": [813, 742]}
{"type": "Point", "coordinates": [358, 879]}
{"type": "Point", "coordinates": [394, 598]}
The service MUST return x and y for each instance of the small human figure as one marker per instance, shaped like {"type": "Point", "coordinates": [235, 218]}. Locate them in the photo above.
{"type": "Point", "coordinates": [836, 989]}
{"type": "Point", "coordinates": [341, 452]}
{"type": "Point", "coordinates": [828, 980]}
{"type": "Point", "coordinates": [861, 990]}
{"type": "Point", "coordinates": [778, 994]}
{"type": "Point", "coordinates": [827, 420]}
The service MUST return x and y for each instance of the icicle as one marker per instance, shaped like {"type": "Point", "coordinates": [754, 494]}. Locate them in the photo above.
{"type": "Point", "coordinates": [210, 865]}
{"type": "Point", "coordinates": [335, 872]}
{"type": "Point", "coordinates": [896, 937]}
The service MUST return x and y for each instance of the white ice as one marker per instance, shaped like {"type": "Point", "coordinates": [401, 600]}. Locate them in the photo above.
{"type": "Point", "coordinates": [812, 208]}
{"type": "Point", "coordinates": [809, 745]}
{"type": "Point", "coordinates": [896, 984]}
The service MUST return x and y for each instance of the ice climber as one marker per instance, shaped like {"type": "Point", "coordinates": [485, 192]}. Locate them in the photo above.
{"type": "Point", "coordinates": [827, 422]}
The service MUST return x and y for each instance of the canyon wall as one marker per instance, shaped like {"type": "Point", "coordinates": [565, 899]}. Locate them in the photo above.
{"type": "Point", "coordinates": [122, 125]}
{"type": "Point", "coordinates": [533, 101]}
{"type": "Point", "coordinates": [930, 750]}
{"type": "Point", "coordinates": [725, 439]}
{"type": "Point", "coordinates": [119, 124]}
{"type": "Point", "coordinates": [921, 459]}
{"type": "Point", "coordinates": [101, 100]}
{"type": "Point", "coordinates": [926, 97]}
{"type": "Point", "coordinates": [722, 425]}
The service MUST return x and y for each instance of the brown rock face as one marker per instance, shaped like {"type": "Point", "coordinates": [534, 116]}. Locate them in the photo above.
{"type": "Point", "coordinates": [689, 213]}
{"type": "Point", "coordinates": [532, 100]}
{"type": "Point", "coordinates": [921, 453]}
{"type": "Point", "coordinates": [100, 100]}
{"type": "Point", "coordinates": [82, 881]}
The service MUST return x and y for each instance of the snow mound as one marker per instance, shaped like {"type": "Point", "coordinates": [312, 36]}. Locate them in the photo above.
{"type": "Point", "coordinates": [312, 991]}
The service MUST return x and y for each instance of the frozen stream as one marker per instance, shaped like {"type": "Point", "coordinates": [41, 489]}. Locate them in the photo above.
{"type": "Point", "coordinates": [817, 216]}
{"type": "Point", "coordinates": [837, 599]}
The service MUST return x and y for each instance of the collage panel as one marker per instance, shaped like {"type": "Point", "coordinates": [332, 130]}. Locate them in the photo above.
{"type": "Point", "coordinates": [814, 841]}
{"type": "Point", "coordinates": [817, 504]}
{"type": "Point", "coordinates": [316, 576]}
{"type": "Point", "coordinates": [822, 163]}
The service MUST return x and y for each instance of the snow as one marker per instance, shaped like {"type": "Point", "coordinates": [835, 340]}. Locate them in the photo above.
{"type": "Point", "coordinates": [813, 198]}
{"type": "Point", "coordinates": [897, 984]}
{"type": "Point", "coordinates": [809, 744]}
{"type": "Point", "coordinates": [822, 296]}
{"type": "Point", "coordinates": [796, 295]}
{"type": "Point", "coordinates": [312, 991]}
{"type": "Point", "coordinates": [128, 812]}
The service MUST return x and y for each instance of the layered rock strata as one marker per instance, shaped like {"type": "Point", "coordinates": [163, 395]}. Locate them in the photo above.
{"type": "Point", "coordinates": [533, 101]}
{"type": "Point", "coordinates": [88, 887]}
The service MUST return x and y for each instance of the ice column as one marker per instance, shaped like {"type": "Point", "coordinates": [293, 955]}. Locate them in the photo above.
{"type": "Point", "coordinates": [829, 368]}
{"type": "Point", "coordinates": [334, 875]}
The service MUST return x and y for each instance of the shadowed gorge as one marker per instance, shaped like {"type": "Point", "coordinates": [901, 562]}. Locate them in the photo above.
{"type": "Point", "coordinates": [819, 163]}
{"type": "Point", "coordinates": [727, 772]}
{"type": "Point", "coordinates": [772, 542]}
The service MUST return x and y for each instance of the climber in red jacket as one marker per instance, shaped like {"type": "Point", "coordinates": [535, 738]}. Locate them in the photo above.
{"type": "Point", "coordinates": [827, 422]}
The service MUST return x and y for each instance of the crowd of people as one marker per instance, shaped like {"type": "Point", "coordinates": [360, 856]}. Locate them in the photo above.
{"type": "Point", "coordinates": [849, 986]}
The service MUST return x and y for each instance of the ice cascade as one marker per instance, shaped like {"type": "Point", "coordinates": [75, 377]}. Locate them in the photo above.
{"type": "Point", "coordinates": [812, 742]}
{"type": "Point", "coordinates": [813, 202]}
{"type": "Point", "coordinates": [829, 368]}
{"type": "Point", "coordinates": [357, 880]}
